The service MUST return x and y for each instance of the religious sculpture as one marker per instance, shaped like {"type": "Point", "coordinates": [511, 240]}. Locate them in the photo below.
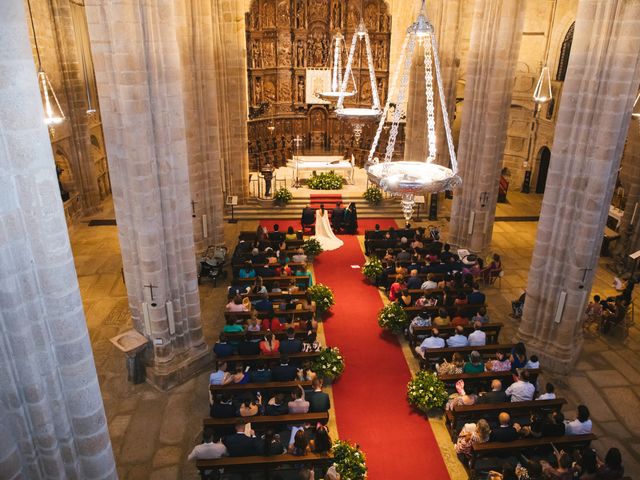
{"type": "Point", "coordinates": [269, 54]}
{"type": "Point", "coordinates": [283, 13]}
{"type": "Point", "coordinates": [371, 17]}
{"type": "Point", "coordinates": [269, 15]}
{"type": "Point", "coordinates": [269, 91]}
{"type": "Point", "coordinates": [336, 14]}
{"type": "Point", "coordinates": [284, 52]}
{"type": "Point", "coordinates": [300, 14]}
{"type": "Point", "coordinates": [255, 54]}
{"type": "Point", "coordinates": [318, 9]}
{"type": "Point", "coordinates": [300, 90]}
{"type": "Point", "coordinates": [257, 91]}
{"type": "Point", "coordinates": [284, 90]}
{"type": "Point", "coordinates": [385, 23]}
{"type": "Point", "coordinates": [300, 54]}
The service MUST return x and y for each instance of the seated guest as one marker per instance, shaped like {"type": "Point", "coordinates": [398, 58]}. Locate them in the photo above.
{"type": "Point", "coordinates": [258, 287]}
{"type": "Point", "coordinates": [271, 324]}
{"type": "Point", "coordinates": [476, 297]}
{"type": "Point", "coordinates": [554, 426]}
{"type": "Point", "coordinates": [260, 373]}
{"type": "Point", "coordinates": [581, 424]}
{"type": "Point", "coordinates": [319, 401]}
{"type": "Point", "coordinates": [283, 372]}
{"type": "Point", "coordinates": [466, 396]}
{"type": "Point", "coordinates": [222, 348]}
{"type": "Point", "coordinates": [564, 469]}
{"type": "Point", "coordinates": [474, 365]}
{"type": "Point", "coordinates": [257, 257]}
{"type": "Point", "coordinates": [304, 272]}
{"type": "Point", "coordinates": [532, 363]}
{"type": "Point", "coordinates": [238, 376]}
{"type": "Point", "coordinates": [291, 234]}
{"type": "Point", "coordinates": [247, 271]}
{"type": "Point", "coordinates": [305, 374]}
{"type": "Point", "coordinates": [400, 269]}
{"type": "Point", "coordinates": [299, 404]}
{"type": "Point", "coordinates": [470, 435]}
{"type": "Point", "coordinates": [232, 327]}
{"type": "Point", "coordinates": [522, 390]}
{"type": "Point", "coordinates": [242, 443]}
{"type": "Point", "coordinates": [459, 320]}
{"type": "Point", "coordinates": [310, 343]}
{"type": "Point", "coordinates": [291, 344]}
{"type": "Point", "coordinates": [321, 442]}
{"type": "Point", "coordinates": [250, 407]}
{"type": "Point", "coordinates": [236, 305]}
{"type": "Point", "coordinates": [396, 288]}
{"type": "Point", "coordinates": [218, 377]}
{"type": "Point", "coordinates": [446, 254]}
{"type": "Point", "coordinates": [276, 235]}
{"type": "Point", "coordinates": [442, 319]}
{"type": "Point", "coordinates": [434, 341]}
{"type": "Point", "coordinates": [423, 319]}
{"type": "Point", "coordinates": [494, 268]}
{"type": "Point", "coordinates": [266, 271]}
{"type": "Point", "coordinates": [611, 468]}
{"type": "Point", "coordinates": [518, 357]}
{"type": "Point", "coordinates": [496, 395]}
{"type": "Point", "coordinates": [404, 299]}
{"type": "Point", "coordinates": [270, 345]}
{"type": "Point", "coordinates": [458, 340]}
{"type": "Point", "coordinates": [461, 299]}
{"type": "Point", "coordinates": [549, 392]}
{"type": "Point", "coordinates": [403, 255]}
{"type": "Point", "coordinates": [277, 406]}
{"type": "Point", "coordinates": [254, 323]}
{"type": "Point", "coordinates": [299, 256]}
{"type": "Point", "coordinates": [414, 282]}
{"type": "Point", "coordinates": [534, 429]}
{"type": "Point", "coordinates": [263, 304]}
{"type": "Point", "coordinates": [272, 444]}
{"type": "Point", "coordinates": [223, 408]}
{"type": "Point", "coordinates": [477, 338]}
{"type": "Point", "coordinates": [451, 368]}
{"type": "Point", "coordinates": [505, 432]}
{"type": "Point", "coordinates": [210, 448]}
{"type": "Point", "coordinates": [499, 364]}
{"type": "Point", "coordinates": [300, 445]}
{"type": "Point", "coordinates": [248, 346]}
{"type": "Point", "coordinates": [517, 306]}
{"type": "Point", "coordinates": [481, 316]}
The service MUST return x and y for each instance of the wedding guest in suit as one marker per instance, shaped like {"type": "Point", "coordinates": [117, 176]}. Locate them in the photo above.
{"type": "Point", "coordinates": [308, 216]}
{"type": "Point", "coordinates": [337, 217]}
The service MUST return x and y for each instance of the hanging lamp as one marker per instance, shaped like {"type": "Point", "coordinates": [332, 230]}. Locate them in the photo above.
{"type": "Point", "coordinates": [359, 115]}
{"type": "Point", "coordinates": [542, 93]}
{"type": "Point", "coordinates": [337, 46]}
{"type": "Point", "coordinates": [419, 176]}
{"type": "Point", "coordinates": [53, 114]}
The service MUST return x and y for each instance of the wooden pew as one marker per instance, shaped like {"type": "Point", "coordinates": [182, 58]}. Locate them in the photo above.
{"type": "Point", "coordinates": [236, 337]}
{"type": "Point", "coordinates": [410, 233]}
{"type": "Point", "coordinates": [435, 355]}
{"type": "Point", "coordinates": [491, 329]}
{"type": "Point", "coordinates": [275, 296]}
{"type": "Point", "coordinates": [468, 311]}
{"type": "Point", "coordinates": [283, 281]}
{"type": "Point", "coordinates": [526, 446]}
{"type": "Point", "coordinates": [265, 421]}
{"type": "Point", "coordinates": [252, 387]}
{"type": "Point", "coordinates": [484, 379]}
{"type": "Point", "coordinates": [301, 356]}
{"type": "Point", "coordinates": [455, 419]}
{"type": "Point", "coordinates": [264, 463]}
{"type": "Point", "coordinates": [294, 265]}
{"type": "Point", "coordinates": [303, 313]}
{"type": "Point", "coordinates": [439, 291]}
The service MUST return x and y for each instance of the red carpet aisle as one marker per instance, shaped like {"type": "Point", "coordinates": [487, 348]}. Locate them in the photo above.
{"type": "Point", "coordinates": [371, 405]}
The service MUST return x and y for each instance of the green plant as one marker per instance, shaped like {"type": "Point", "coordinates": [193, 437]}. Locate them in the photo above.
{"type": "Point", "coordinates": [372, 267]}
{"type": "Point", "coordinates": [282, 196]}
{"type": "Point", "coordinates": [426, 391]}
{"type": "Point", "coordinates": [393, 318]}
{"type": "Point", "coordinates": [349, 460]}
{"type": "Point", "coordinates": [373, 195]}
{"type": "Point", "coordinates": [312, 247]}
{"type": "Point", "coordinates": [325, 181]}
{"type": "Point", "coordinates": [322, 295]}
{"type": "Point", "coordinates": [329, 364]}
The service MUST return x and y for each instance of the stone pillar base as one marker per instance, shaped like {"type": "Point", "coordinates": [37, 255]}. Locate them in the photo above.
{"type": "Point", "coordinates": [558, 359]}
{"type": "Point", "coordinates": [171, 374]}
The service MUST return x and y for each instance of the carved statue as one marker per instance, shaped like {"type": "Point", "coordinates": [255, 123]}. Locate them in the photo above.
{"type": "Point", "coordinates": [255, 15]}
{"type": "Point", "coordinates": [318, 9]}
{"type": "Point", "coordinates": [365, 92]}
{"type": "Point", "coordinates": [336, 14]}
{"type": "Point", "coordinates": [371, 16]}
{"type": "Point", "coordinates": [269, 54]}
{"type": "Point", "coordinates": [255, 54]}
{"type": "Point", "coordinates": [257, 91]}
{"type": "Point", "coordinates": [284, 52]}
{"type": "Point", "coordinates": [300, 54]}
{"type": "Point", "coordinates": [300, 14]}
{"type": "Point", "coordinates": [318, 54]}
{"type": "Point", "coordinates": [384, 22]}
{"type": "Point", "coordinates": [269, 91]}
{"type": "Point", "coordinates": [269, 15]}
{"type": "Point", "coordinates": [284, 90]}
{"type": "Point", "coordinates": [352, 17]}
{"type": "Point", "coordinates": [283, 13]}
{"type": "Point", "coordinates": [300, 90]}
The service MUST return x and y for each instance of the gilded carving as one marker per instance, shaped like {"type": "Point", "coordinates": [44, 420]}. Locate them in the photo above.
{"type": "Point", "coordinates": [284, 13]}
{"type": "Point", "coordinates": [284, 90]}
{"type": "Point", "coordinates": [300, 92]}
{"type": "Point", "coordinates": [269, 53]}
{"type": "Point", "coordinates": [336, 14]}
{"type": "Point", "coordinates": [318, 9]}
{"type": "Point", "coordinates": [300, 14]}
{"type": "Point", "coordinates": [300, 54]}
{"type": "Point", "coordinates": [255, 54]}
{"type": "Point", "coordinates": [371, 17]}
{"type": "Point", "coordinates": [269, 15]}
{"type": "Point", "coordinates": [257, 91]}
{"type": "Point", "coordinates": [269, 91]}
{"type": "Point", "coordinates": [284, 51]}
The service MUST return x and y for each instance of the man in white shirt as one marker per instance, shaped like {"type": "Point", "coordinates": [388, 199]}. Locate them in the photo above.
{"type": "Point", "coordinates": [429, 284]}
{"type": "Point", "coordinates": [477, 337]}
{"type": "Point", "coordinates": [217, 377]}
{"type": "Point", "coordinates": [212, 447]}
{"type": "Point", "coordinates": [581, 425]}
{"type": "Point", "coordinates": [549, 393]}
{"type": "Point", "coordinates": [434, 341]}
{"type": "Point", "coordinates": [299, 257]}
{"type": "Point", "coordinates": [458, 340]}
{"type": "Point", "coordinates": [522, 390]}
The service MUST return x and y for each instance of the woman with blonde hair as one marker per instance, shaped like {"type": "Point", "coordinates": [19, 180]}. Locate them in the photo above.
{"type": "Point", "coordinates": [471, 434]}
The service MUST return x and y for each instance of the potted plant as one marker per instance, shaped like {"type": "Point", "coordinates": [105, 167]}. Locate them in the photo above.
{"type": "Point", "coordinates": [372, 269]}
{"type": "Point", "coordinates": [311, 248]}
{"type": "Point", "coordinates": [349, 460]}
{"type": "Point", "coordinates": [282, 196]}
{"type": "Point", "coordinates": [325, 181]}
{"type": "Point", "coordinates": [393, 318]}
{"type": "Point", "coordinates": [329, 365]}
{"type": "Point", "coordinates": [426, 391]}
{"type": "Point", "coordinates": [322, 296]}
{"type": "Point", "coordinates": [373, 195]}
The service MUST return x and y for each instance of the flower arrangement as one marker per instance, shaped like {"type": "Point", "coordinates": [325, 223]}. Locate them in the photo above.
{"type": "Point", "coordinates": [329, 364]}
{"type": "Point", "coordinates": [426, 391]}
{"type": "Point", "coordinates": [283, 196]}
{"type": "Point", "coordinates": [373, 195]}
{"type": "Point", "coordinates": [322, 295]}
{"type": "Point", "coordinates": [312, 247]}
{"type": "Point", "coordinates": [325, 181]}
{"type": "Point", "coordinates": [372, 268]}
{"type": "Point", "coordinates": [393, 318]}
{"type": "Point", "coordinates": [349, 460]}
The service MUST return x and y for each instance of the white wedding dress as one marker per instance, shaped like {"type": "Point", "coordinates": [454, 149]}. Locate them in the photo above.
{"type": "Point", "coordinates": [324, 234]}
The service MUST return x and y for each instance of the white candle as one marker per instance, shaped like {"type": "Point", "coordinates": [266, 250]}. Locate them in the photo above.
{"type": "Point", "coordinates": [633, 217]}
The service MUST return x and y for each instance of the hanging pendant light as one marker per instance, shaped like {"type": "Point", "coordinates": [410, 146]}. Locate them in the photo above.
{"type": "Point", "coordinates": [359, 115]}
{"type": "Point", "coordinates": [337, 44]}
{"type": "Point", "coordinates": [53, 114]}
{"type": "Point", "coordinates": [418, 176]}
{"type": "Point", "coordinates": [542, 93]}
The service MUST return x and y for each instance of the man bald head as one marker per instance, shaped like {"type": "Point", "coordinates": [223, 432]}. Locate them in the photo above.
{"type": "Point", "coordinates": [504, 418]}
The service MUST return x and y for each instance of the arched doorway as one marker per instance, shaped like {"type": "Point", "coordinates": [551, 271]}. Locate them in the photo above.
{"type": "Point", "coordinates": [544, 157]}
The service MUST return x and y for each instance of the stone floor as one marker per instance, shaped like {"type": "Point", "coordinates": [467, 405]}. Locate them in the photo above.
{"type": "Point", "coordinates": [153, 432]}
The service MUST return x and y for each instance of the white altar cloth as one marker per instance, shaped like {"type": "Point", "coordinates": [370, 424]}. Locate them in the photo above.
{"type": "Point", "coordinates": [301, 163]}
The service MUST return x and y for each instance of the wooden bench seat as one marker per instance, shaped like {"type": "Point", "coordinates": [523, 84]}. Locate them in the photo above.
{"type": "Point", "coordinates": [455, 419]}
{"type": "Point", "coordinates": [436, 355]}
{"type": "Point", "coordinates": [251, 387]}
{"type": "Point", "coordinates": [265, 421]}
{"type": "Point", "coordinates": [525, 446]}
{"type": "Point", "coordinates": [238, 336]}
{"type": "Point", "coordinates": [283, 280]}
{"type": "Point", "coordinates": [294, 265]}
{"type": "Point", "coordinates": [491, 329]}
{"type": "Point", "coordinates": [302, 313]}
{"type": "Point", "coordinates": [275, 295]}
{"type": "Point", "coordinates": [484, 379]}
{"type": "Point", "coordinates": [264, 463]}
{"type": "Point", "coordinates": [467, 311]}
{"type": "Point", "coordinates": [256, 358]}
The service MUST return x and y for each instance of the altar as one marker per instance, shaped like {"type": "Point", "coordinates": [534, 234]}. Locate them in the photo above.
{"type": "Point", "coordinates": [318, 163]}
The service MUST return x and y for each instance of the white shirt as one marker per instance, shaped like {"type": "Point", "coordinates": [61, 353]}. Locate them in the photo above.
{"type": "Point", "coordinates": [216, 377]}
{"type": "Point", "coordinates": [532, 365]}
{"type": "Point", "coordinates": [457, 340]}
{"type": "Point", "coordinates": [429, 285]}
{"type": "Point", "coordinates": [477, 338]}
{"type": "Point", "coordinates": [521, 391]}
{"type": "Point", "coordinates": [432, 342]}
{"type": "Point", "coordinates": [547, 396]}
{"type": "Point", "coordinates": [208, 450]}
{"type": "Point", "coordinates": [577, 427]}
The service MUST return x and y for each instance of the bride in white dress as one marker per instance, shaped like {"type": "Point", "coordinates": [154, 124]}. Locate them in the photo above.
{"type": "Point", "coordinates": [324, 234]}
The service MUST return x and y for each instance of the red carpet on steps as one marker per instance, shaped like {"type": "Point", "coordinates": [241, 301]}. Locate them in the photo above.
{"type": "Point", "coordinates": [363, 224]}
{"type": "Point", "coordinates": [370, 397]}
{"type": "Point", "coordinates": [329, 200]}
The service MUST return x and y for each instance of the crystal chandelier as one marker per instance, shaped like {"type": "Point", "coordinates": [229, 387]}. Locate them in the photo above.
{"type": "Point", "coordinates": [414, 176]}
{"type": "Point", "coordinates": [542, 93]}
{"type": "Point", "coordinates": [359, 115]}
{"type": "Point", "coordinates": [337, 45]}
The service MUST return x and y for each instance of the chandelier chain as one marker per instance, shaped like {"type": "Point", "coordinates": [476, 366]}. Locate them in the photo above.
{"type": "Point", "coordinates": [431, 121]}
{"type": "Point", "coordinates": [372, 73]}
{"type": "Point", "coordinates": [347, 72]}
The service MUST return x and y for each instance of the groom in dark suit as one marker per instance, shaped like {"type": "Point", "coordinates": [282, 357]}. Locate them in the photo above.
{"type": "Point", "coordinates": [308, 216]}
{"type": "Point", "coordinates": [337, 217]}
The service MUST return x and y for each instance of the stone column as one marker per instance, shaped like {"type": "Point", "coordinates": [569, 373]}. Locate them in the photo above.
{"type": "Point", "coordinates": [598, 94]}
{"type": "Point", "coordinates": [51, 413]}
{"type": "Point", "coordinates": [138, 74]}
{"type": "Point", "coordinates": [495, 44]}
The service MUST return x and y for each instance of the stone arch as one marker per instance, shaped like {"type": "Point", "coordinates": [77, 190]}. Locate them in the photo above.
{"type": "Point", "coordinates": [65, 174]}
